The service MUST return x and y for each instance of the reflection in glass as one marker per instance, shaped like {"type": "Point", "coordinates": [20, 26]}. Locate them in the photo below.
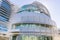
{"type": "Point", "coordinates": [29, 8]}
{"type": "Point", "coordinates": [29, 38]}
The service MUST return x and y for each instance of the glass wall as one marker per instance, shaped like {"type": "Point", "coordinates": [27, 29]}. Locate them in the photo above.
{"type": "Point", "coordinates": [34, 8]}
{"type": "Point", "coordinates": [3, 28]}
{"type": "Point", "coordinates": [6, 5]}
{"type": "Point", "coordinates": [25, 37]}
{"type": "Point", "coordinates": [14, 37]}
{"type": "Point", "coordinates": [30, 25]}
{"type": "Point", "coordinates": [31, 37]}
{"type": "Point", "coordinates": [17, 26]}
{"type": "Point", "coordinates": [29, 8]}
{"type": "Point", "coordinates": [5, 10]}
{"type": "Point", "coordinates": [3, 19]}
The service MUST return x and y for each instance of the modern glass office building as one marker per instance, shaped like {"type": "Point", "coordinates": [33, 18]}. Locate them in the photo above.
{"type": "Point", "coordinates": [5, 11]}
{"type": "Point", "coordinates": [32, 22]}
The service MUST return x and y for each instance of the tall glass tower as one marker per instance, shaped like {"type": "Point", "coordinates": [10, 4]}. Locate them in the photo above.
{"type": "Point", "coordinates": [32, 22]}
{"type": "Point", "coordinates": [5, 10]}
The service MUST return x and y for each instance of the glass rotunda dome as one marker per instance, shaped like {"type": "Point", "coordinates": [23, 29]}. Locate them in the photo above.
{"type": "Point", "coordinates": [29, 8]}
{"type": "Point", "coordinates": [35, 7]}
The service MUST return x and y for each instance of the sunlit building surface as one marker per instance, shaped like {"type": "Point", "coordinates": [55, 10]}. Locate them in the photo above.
{"type": "Point", "coordinates": [29, 22]}
{"type": "Point", "coordinates": [32, 22]}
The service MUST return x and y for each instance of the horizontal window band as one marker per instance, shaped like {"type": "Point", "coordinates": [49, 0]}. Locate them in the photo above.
{"type": "Point", "coordinates": [6, 14]}
{"type": "Point", "coordinates": [7, 17]}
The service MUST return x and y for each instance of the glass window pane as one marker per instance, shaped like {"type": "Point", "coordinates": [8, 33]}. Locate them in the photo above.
{"type": "Point", "coordinates": [3, 28]}
{"type": "Point", "coordinates": [17, 26]}
{"type": "Point", "coordinates": [29, 8]}
{"type": "Point", "coordinates": [3, 19]}
{"type": "Point", "coordinates": [14, 37]}
{"type": "Point", "coordinates": [29, 38]}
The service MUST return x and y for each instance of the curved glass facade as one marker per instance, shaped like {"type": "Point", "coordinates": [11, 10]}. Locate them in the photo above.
{"type": "Point", "coordinates": [17, 26]}
{"type": "Point", "coordinates": [3, 28]}
{"type": "Point", "coordinates": [32, 23]}
{"type": "Point", "coordinates": [31, 37]}
{"type": "Point", "coordinates": [29, 8]}
{"type": "Point", "coordinates": [3, 18]}
{"type": "Point", "coordinates": [28, 25]}
{"type": "Point", "coordinates": [34, 8]}
{"type": "Point", "coordinates": [6, 5]}
{"type": "Point", "coordinates": [5, 10]}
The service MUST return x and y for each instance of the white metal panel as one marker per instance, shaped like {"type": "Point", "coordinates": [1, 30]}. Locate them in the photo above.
{"type": "Point", "coordinates": [31, 17]}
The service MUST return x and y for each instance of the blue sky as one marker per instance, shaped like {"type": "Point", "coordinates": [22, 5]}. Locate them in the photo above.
{"type": "Point", "coordinates": [52, 5]}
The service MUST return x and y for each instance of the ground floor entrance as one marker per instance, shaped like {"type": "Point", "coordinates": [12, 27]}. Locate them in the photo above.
{"type": "Point", "coordinates": [31, 37]}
